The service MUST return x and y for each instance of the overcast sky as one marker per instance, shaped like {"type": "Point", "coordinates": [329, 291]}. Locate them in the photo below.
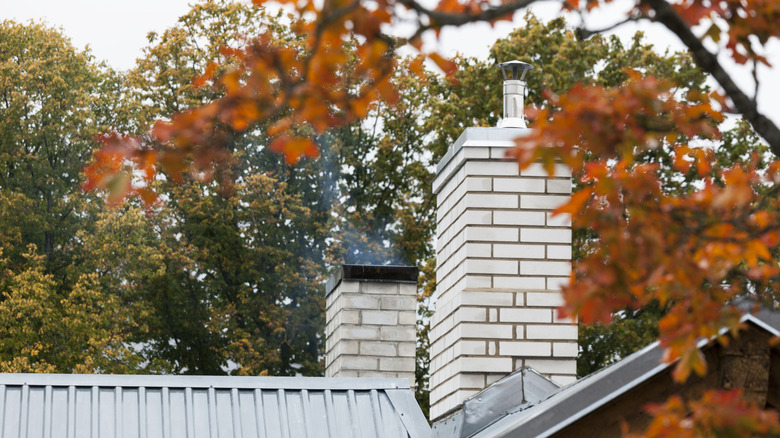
{"type": "Point", "coordinates": [116, 32]}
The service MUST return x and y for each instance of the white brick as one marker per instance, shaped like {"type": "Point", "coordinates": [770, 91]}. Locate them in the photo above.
{"type": "Point", "coordinates": [407, 288]}
{"type": "Point", "coordinates": [486, 298]}
{"type": "Point", "coordinates": [536, 169]}
{"type": "Point", "coordinates": [359, 302]}
{"type": "Point", "coordinates": [544, 268]}
{"type": "Point", "coordinates": [493, 315]}
{"type": "Point", "coordinates": [407, 317]}
{"type": "Point", "coordinates": [565, 349]}
{"type": "Point", "coordinates": [479, 266]}
{"type": "Point", "coordinates": [470, 380]}
{"type": "Point", "coordinates": [470, 314]}
{"type": "Point", "coordinates": [518, 251]}
{"type": "Point", "coordinates": [478, 250]}
{"type": "Point", "coordinates": [524, 349]}
{"type": "Point", "coordinates": [485, 364]}
{"type": "Point", "coordinates": [396, 364]}
{"type": "Point", "coordinates": [378, 349]}
{"type": "Point", "coordinates": [549, 202]}
{"type": "Point", "coordinates": [492, 234]}
{"type": "Point", "coordinates": [348, 286]}
{"type": "Point", "coordinates": [545, 235]}
{"type": "Point", "coordinates": [375, 317]}
{"type": "Point", "coordinates": [407, 349]}
{"type": "Point", "coordinates": [346, 317]}
{"type": "Point", "coordinates": [359, 363]}
{"type": "Point", "coordinates": [399, 302]}
{"type": "Point", "coordinates": [476, 217]}
{"type": "Point", "coordinates": [504, 168]}
{"type": "Point", "coordinates": [472, 347]}
{"type": "Point", "coordinates": [359, 332]}
{"type": "Point", "coordinates": [475, 153]}
{"type": "Point", "coordinates": [556, 283]}
{"type": "Point", "coordinates": [567, 320]}
{"type": "Point", "coordinates": [553, 366]}
{"type": "Point", "coordinates": [558, 186]}
{"type": "Point", "coordinates": [397, 333]}
{"type": "Point", "coordinates": [474, 184]}
{"type": "Point", "coordinates": [477, 282]}
{"type": "Point", "coordinates": [480, 200]}
{"type": "Point", "coordinates": [499, 152]}
{"type": "Point", "coordinates": [491, 348]}
{"type": "Point", "coordinates": [519, 283]}
{"type": "Point", "coordinates": [485, 331]}
{"type": "Point", "coordinates": [520, 332]}
{"type": "Point", "coordinates": [558, 220]}
{"type": "Point", "coordinates": [519, 217]}
{"type": "Point", "coordinates": [377, 288]}
{"type": "Point", "coordinates": [545, 299]}
{"type": "Point", "coordinates": [551, 332]}
{"type": "Point", "coordinates": [346, 347]}
{"type": "Point", "coordinates": [519, 315]}
{"type": "Point", "coordinates": [561, 252]}
{"type": "Point", "coordinates": [525, 185]}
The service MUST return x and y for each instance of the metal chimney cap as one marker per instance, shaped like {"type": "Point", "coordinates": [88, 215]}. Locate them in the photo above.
{"type": "Point", "coordinates": [514, 67]}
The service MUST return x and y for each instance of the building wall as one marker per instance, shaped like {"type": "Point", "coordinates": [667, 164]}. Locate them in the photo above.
{"type": "Point", "coordinates": [501, 260]}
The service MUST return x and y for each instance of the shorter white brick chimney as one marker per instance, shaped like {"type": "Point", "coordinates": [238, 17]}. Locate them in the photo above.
{"type": "Point", "coordinates": [371, 314]}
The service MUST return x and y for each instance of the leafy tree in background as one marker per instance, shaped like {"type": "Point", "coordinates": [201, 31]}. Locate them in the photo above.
{"type": "Point", "coordinates": [60, 310]}
{"type": "Point", "coordinates": [256, 248]}
{"type": "Point", "coordinates": [245, 260]}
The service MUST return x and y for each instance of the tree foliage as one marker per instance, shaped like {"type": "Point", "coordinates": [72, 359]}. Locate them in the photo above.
{"type": "Point", "coordinates": [256, 237]}
{"type": "Point", "coordinates": [61, 309]}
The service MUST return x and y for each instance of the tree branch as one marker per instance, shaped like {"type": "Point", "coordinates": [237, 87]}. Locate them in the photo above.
{"type": "Point", "coordinates": [665, 15]}
{"type": "Point", "coordinates": [582, 33]}
{"type": "Point", "coordinates": [439, 19]}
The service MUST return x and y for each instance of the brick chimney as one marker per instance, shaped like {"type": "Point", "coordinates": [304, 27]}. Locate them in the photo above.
{"type": "Point", "coordinates": [501, 259]}
{"type": "Point", "coordinates": [371, 315]}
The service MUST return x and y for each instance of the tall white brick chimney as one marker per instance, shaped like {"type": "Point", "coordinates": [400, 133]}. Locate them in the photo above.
{"type": "Point", "coordinates": [501, 259]}
{"type": "Point", "coordinates": [371, 317]}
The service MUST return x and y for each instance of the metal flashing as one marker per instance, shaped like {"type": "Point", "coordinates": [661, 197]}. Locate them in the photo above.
{"type": "Point", "coordinates": [494, 402]}
{"type": "Point", "coordinates": [373, 273]}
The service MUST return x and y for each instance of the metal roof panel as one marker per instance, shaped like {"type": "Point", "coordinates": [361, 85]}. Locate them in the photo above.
{"type": "Point", "coordinates": [103, 406]}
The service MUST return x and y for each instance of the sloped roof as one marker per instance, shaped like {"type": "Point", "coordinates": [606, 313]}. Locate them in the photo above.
{"type": "Point", "coordinates": [107, 406]}
{"type": "Point", "coordinates": [572, 402]}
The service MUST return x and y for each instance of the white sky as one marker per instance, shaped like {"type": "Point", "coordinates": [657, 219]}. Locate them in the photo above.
{"type": "Point", "coordinates": [115, 31]}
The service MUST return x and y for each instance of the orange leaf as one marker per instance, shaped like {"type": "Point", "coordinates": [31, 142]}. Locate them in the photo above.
{"type": "Point", "coordinates": [294, 148]}
{"type": "Point", "coordinates": [447, 66]}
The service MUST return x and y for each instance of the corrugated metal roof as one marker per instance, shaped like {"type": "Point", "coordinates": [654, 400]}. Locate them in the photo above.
{"type": "Point", "coordinates": [103, 406]}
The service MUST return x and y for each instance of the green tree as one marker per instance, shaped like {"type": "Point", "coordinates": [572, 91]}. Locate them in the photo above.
{"type": "Point", "coordinates": [257, 253]}
{"type": "Point", "coordinates": [56, 314]}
